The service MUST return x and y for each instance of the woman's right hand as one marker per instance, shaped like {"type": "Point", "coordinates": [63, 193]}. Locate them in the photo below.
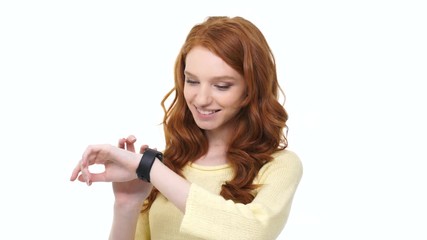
{"type": "Point", "coordinates": [136, 190]}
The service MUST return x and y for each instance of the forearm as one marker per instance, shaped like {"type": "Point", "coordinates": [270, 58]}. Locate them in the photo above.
{"type": "Point", "coordinates": [208, 215]}
{"type": "Point", "coordinates": [174, 187]}
{"type": "Point", "coordinates": [124, 221]}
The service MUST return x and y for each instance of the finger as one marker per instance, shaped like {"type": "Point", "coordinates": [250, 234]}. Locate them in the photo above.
{"type": "Point", "coordinates": [84, 179]}
{"type": "Point", "coordinates": [75, 172]}
{"type": "Point", "coordinates": [142, 148]}
{"type": "Point", "coordinates": [95, 154]}
{"type": "Point", "coordinates": [85, 174]}
{"type": "Point", "coordinates": [130, 143]}
{"type": "Point", "coordinates": [89, 158]}
{"type": "Point", "coordinates": [98, 177]}
{"type": "Point", "coordinates": [81, 178]}
{"type": "Point", "coordinates": [131, 138]}
{"type": "Point", "coordinates": [121, 143]}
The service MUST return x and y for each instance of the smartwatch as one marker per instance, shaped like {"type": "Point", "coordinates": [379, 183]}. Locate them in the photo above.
{"type": "Point", "coordinates": [147, 160]}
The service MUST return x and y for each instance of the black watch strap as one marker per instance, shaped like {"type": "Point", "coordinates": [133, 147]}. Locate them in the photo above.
{"type": "Point", "coordinates": [147, 160]}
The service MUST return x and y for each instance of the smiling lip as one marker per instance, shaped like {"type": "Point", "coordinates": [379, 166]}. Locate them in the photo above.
{"type": "Point", "coordinates": [206, 114]}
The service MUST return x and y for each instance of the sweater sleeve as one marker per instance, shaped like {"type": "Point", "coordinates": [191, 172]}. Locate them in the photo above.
{"type": "Point", "coordinates": [142, 231]}
{"type": "Point", "coordinates": [210, 216]}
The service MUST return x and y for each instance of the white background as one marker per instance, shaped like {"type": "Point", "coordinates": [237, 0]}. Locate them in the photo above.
{"type": "Point", "coordinates": [78, 72]}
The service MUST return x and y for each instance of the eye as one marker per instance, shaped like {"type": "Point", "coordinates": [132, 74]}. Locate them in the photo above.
{"type": "Point", "coordinates": [222, 87]}
{"type": "Point", "coordinates": [191, 82]}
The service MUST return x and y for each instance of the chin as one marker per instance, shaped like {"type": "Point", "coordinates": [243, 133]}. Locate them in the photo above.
{"type": "Point", "coordinates": [206, 127]}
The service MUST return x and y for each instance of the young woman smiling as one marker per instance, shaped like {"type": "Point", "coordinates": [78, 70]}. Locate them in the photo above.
{"type": "Point", "coordinates": [226, 172]}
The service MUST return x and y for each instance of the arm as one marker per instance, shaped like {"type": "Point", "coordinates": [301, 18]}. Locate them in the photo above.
{"type": "Point", "coordinates": [204, 211]}
{"type": "Point", "coordinates": [209, 215]}
{"type": "Point", "coordinates": [125, 217]}
{"type": "Point", "coordinates": [129, 197]}
{"type": "Point", "coordinates": [171, 185]}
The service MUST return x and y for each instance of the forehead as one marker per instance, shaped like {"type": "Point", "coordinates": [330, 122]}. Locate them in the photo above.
{"type": "Point", "coordinates": [203, 63]}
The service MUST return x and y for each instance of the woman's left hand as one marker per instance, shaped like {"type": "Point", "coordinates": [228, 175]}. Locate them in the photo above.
{"type": "Point", "coordinates": [119, 164]}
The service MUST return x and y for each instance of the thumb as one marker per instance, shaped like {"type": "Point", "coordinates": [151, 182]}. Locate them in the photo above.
{"type": "Point", "coordinates": [98, 177]}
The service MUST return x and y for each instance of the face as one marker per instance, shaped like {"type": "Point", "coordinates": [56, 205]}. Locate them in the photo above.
{"type": "Point", "coordinates": [213, 90]}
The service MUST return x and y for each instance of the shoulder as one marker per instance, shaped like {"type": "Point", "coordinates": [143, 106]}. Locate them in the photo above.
{"type": "Point", "coordinates": [284, 161]}
{"type": "Point", "coordinates": [285, 158]}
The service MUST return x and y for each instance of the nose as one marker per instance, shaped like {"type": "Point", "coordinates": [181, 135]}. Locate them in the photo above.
{"type": "Point", "coordinates": [204, 96]}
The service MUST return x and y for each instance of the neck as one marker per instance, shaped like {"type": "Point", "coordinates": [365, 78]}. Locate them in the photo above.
{"type": "Point", "coordinates": [219, 136]}
{"type": "Point", "coordinates": [217, 152]}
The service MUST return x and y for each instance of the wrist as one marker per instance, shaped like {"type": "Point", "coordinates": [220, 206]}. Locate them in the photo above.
{"type": "Point", "coordinates": [127, 206]}
{"type": "Point", "coordinates": [146, 163]}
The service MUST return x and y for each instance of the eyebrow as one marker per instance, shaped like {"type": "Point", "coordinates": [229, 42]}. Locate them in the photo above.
{"type": "Point", "coordinates": [217, 78]}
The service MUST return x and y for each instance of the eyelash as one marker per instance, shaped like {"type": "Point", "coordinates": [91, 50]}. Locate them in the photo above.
{"type": "Point", "coordinates": [222, 88]}
{"type": "Point", "coordinates": [219, 87]}
{"type": "Point", "coordinates": [191, 82]}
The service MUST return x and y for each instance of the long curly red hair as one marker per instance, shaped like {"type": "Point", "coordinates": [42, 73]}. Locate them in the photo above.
{"type": "Point", "coordinates": [260, 123]}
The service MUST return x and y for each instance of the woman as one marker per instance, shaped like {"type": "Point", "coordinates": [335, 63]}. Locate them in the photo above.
{"type": "Point", "coordinates": [225, 172]}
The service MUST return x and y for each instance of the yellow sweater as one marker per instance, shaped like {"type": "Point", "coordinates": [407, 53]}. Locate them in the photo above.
{"type": "Point", "coordinates": [209, 216]}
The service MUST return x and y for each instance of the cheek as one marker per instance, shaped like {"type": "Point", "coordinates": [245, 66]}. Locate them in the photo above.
{"type": "Point", "coordinates": [187, 95]}
{"type": "Point", "coordinates": [233, 100]}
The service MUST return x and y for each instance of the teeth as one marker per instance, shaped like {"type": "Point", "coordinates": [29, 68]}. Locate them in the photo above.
{"type": "Point", "coordinates": [206, 112]}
